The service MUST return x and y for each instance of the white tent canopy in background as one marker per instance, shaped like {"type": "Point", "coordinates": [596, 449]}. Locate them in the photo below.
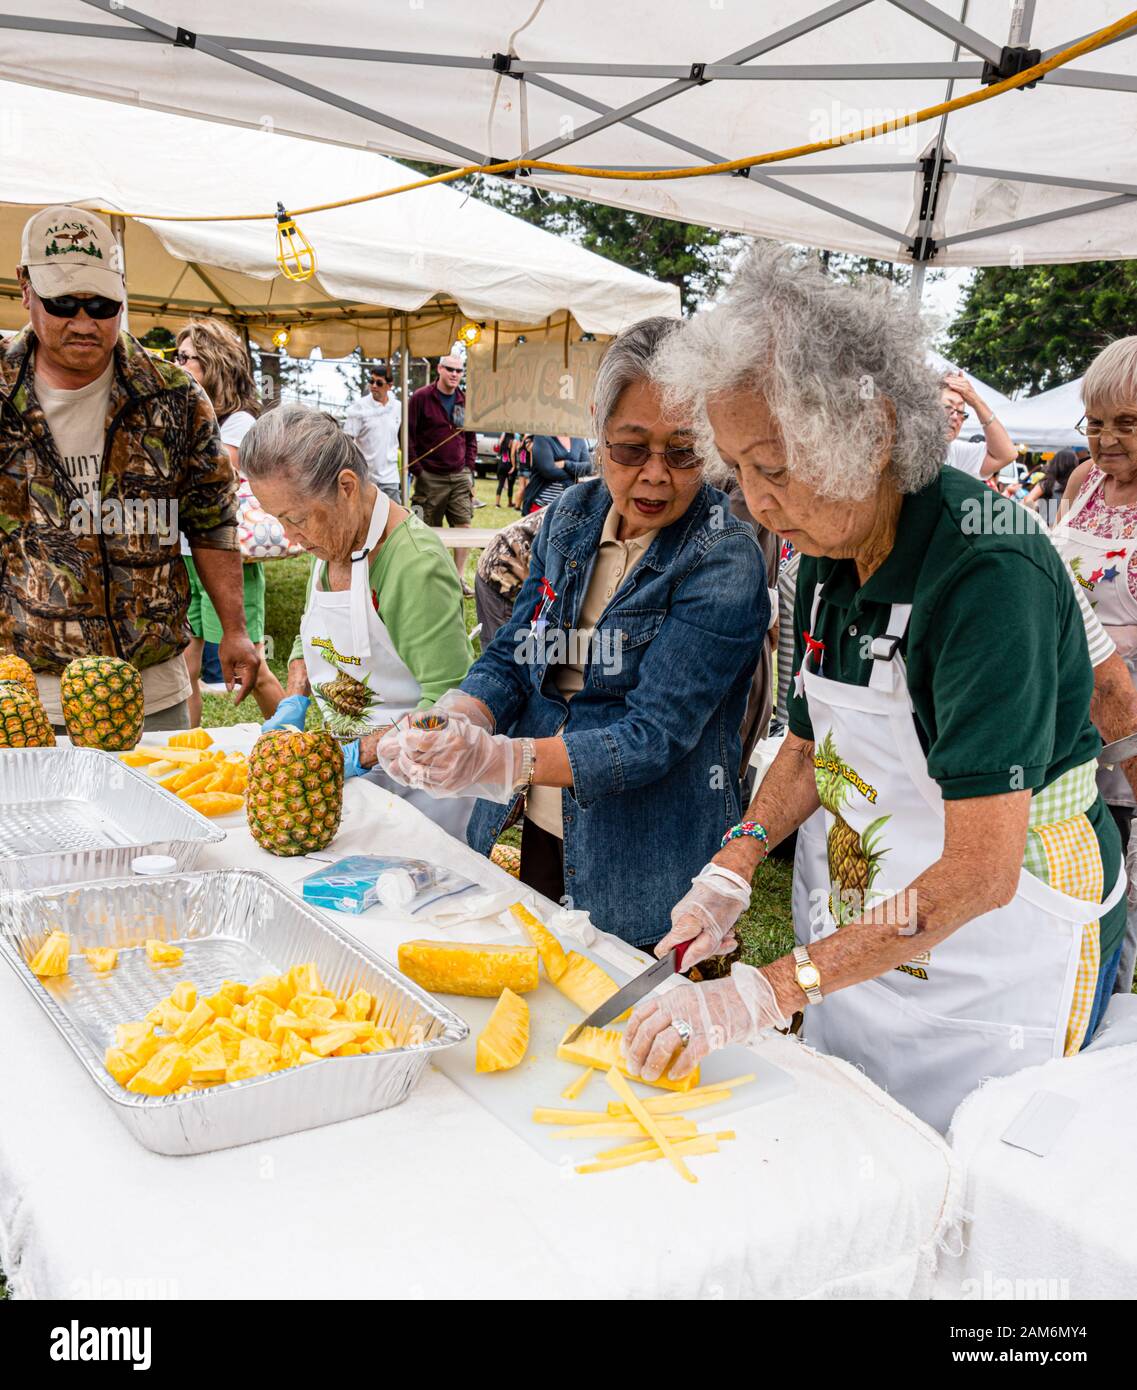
{"type": "Point", "coordinates": [435, 255]}
{"type": "Point", "coordinates": [1042, 175]}
{"type": "Point", "coordinates": [1047, 421]}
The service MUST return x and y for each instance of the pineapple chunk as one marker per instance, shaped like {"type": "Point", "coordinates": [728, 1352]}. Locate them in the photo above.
{"type": "Point", "coordinates": [192, 738]}
{"type": "Point", "coordinates": [233, 989]}
{"type": "Point", "coordinates": [183, 996]}
{"type": "Point", "coordinates": [255, 1052]}
{"type": "Point", "coordinates": [186, 781]}
{"type": "Point", "coordinates": [585, 983]}
{"type": "Point", "coordinates": [142, 1049]}
{"type": "Point", "coordinates": [221, 1004]}
{"type": "Point", "coordinates": [125, 1034]}
{"type": "Point", "coordinates": [214, 803]}
{"type": "Point", "coordinates": [305, 979]}
{"type": "Point", "coordinates": [53, 957]}
{"type": "Point", "coordinates": [448, 967]}
{"type": "Point", "coordinates": [163, 953]}
{"type": "Point", "coordinates": [259, 1014]}
{"type": "Point", "coordinates": [162, 1074]}
{"type": "Point", "coordinates": [331, 1041]}
{"type": "Point", "coordinates": [358, 1007]}
{"type": "Point", "coordinates": [207, 1060]}
{"type": "Point", "coordinates": [351, 1049]}
{"type": "Point", "coordinates": [193, 1023]}
{"type": "Point", "coordinates": [505, 1038]}
{"type": "Point", "coordinates": [575, 1089]}
{"type": "Point", "coordinates": [170, 1017]}
{"type": "Point", "coordinates": [313, 1005]}
{"type": "Point", "coordinates": [274, 987]}
{"type": "Point", "coordinates": [551, 951]}
{"type": "Point", "coordinates": [600, 1047]}
{"type": "Point", "coordinates": [101, 958]}
{"type": "Point", "coordinates": [121, 1065]}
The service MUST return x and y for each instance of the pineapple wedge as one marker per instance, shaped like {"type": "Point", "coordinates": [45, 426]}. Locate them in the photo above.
{"type": "Point", "coordinates": [101, 958]}
{"type": "Point", "coordinates": [53, 957]}
{"type": "Point", "coordinates": [551, 951]}
{"type": "Point", "coordinates": [163, 953]}
{"type": "Point", "coordinates": [505, 1038]}
{"type": "Point", "coordinates": [162, 1074]}
{"type": "Point", "coordinates": [600, 1048]}
{"type": "Point", "coordinates": [586, 984]}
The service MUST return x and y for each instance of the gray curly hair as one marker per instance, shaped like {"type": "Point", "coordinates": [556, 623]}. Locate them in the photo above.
{"type": "Point", "coordinates": [829, 358]}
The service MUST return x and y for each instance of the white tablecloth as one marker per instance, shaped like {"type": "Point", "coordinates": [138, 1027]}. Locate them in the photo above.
{"type": "Point", "coordinates": [834, 1191]}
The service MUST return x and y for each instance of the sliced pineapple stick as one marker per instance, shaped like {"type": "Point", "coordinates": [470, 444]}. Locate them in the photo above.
{"type": "Point", "coordinates": [668, 1105]}
{"type": "Point", "coordinates": [628, 1129]}
{"type": "Point", "coordinates": [542, 1115]}
{"type": "Point", "coordinates": [575, 1089]}
{"type": "Point", "coordinates": [643, 1146]}
{"type": "Point", "coordinates": [701, 1144]}
{"type": "Point", "coordinates": [649, 1123]}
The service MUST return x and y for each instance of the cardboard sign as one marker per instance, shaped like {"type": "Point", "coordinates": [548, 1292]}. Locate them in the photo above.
{"type": "Point", "coordinates": [532, 390]}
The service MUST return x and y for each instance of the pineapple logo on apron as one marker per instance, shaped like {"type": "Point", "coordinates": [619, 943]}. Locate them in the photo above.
{"type": "Point", "coordinates": [346, 705]}
{"type": "Point", "coordinates": [854, 859]}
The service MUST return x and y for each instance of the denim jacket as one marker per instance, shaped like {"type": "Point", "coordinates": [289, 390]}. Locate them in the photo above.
{"type": "Point", "coordinates": [653, 736]}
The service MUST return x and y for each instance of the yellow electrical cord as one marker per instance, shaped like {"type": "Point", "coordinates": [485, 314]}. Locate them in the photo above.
{"type": "Point", "coordinates": [928, 113]}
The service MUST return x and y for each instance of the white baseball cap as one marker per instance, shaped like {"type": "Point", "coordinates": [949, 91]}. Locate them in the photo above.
{"type": "Point", "coordinates": [69, 250]}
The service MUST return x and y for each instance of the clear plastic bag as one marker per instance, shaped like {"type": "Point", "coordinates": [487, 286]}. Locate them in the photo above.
{"type": "Point", "coordinates": [361, 880]}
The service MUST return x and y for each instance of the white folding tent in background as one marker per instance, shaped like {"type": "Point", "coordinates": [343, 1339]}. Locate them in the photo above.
{"type": "Point", "coordinates": [1044, 174]}
{"type": "Point", "coordinates": [429, 260]}
{"type": "Point", "coordinates": [1048, 420]}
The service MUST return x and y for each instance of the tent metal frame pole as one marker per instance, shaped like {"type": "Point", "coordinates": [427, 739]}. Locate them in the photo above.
{"type": "Point", "coordinates": [118, 231]}
{"type": "Point", "coordinates": [201, 44]}
{"type": "Point", "coordinates": [980, 171]}
{"type": "Point", "coordinates": [405, 421]}
{"type": "Point", "coordinates": [962, 34]}
{"type": "Point", "coordinates": [977, 234]}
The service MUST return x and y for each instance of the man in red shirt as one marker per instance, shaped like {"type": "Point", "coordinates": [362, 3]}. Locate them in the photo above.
{"type": "Point", "coordinates": [443, 454]}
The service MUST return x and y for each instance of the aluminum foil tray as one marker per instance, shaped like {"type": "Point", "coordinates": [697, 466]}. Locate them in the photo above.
{"type": "Point", "coordinates": [234, 924]}
{"type": "Point", "coordinates": [72, 814]}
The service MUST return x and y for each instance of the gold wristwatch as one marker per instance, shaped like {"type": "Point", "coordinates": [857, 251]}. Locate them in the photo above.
{"type": "Point", "coordinates": [807, 975]}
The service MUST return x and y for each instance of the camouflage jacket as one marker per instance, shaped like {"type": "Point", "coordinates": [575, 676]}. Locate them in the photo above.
{"type": "Point", "coordinates": [73, 583]}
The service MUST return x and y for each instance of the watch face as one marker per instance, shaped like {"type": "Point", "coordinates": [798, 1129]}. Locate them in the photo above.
{"type": "Point", "coordinates": [809, 976]}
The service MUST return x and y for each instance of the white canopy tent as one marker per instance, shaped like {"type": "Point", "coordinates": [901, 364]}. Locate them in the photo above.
{"type": "Point", "coordinates": [1045, 174]}
{"type": "Point", "coordinates": [1047, 421]}
{"type": "Point", "coordinates": [434, 258]}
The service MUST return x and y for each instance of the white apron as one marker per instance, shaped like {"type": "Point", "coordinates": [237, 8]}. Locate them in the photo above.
{"type": "Point", "coordinates": [1101, 567]}
{"type": "Point", "coordinates": [996, 995]}
{"type": "Point", "coordinates": [343, 634]}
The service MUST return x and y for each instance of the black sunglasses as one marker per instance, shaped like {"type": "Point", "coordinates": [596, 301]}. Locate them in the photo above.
{"type": "Point", "coordinates": [66, 306]}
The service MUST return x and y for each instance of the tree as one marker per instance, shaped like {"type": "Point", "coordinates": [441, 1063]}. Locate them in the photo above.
{"type": "Point", "coordinates": [694, 259]}
{"type": "Point", "coordinates": [1040, 326]}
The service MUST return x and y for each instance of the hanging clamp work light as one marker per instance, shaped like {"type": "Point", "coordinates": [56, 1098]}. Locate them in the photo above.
{"type": "Point", "coordinates": [295, 254]}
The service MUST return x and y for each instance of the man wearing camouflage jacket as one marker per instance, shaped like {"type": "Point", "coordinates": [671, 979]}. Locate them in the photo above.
{"type": "Point", "coordinates": [105, 455]}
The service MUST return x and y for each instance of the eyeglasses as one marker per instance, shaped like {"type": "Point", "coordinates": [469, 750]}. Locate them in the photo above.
{"type": "Point", "coordinates": [953, 412]}
{"type": "Point", "coordinates": [1093, 431]}
{"type": "Point", "coordinates": [181, 358]}
{"type": "Point", "coordinates": [66, 306]}
{"type": "Point", "coordinates": [636, 455]}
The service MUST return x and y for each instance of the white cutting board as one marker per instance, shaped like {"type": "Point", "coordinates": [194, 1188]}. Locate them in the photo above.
{"type": "Point", "coordinates": [511, 1096]}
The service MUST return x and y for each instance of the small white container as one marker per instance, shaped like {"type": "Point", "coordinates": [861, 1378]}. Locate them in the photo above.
{"type": "Point", "coordinates": [153, 864]}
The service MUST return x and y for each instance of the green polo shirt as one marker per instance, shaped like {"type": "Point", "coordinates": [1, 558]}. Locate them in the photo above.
{"type": "Point", "coordinates": [995, 649]}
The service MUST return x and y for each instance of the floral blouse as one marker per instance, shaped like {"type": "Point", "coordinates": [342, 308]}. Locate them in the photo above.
{"type": "Point", "coordinates": [1112, 523]}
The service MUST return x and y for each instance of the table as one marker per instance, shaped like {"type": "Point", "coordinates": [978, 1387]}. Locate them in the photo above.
{"type": "Point", "coordinates": [835, 1190]}
{"type": "Point", "coordinates": [465, 537]}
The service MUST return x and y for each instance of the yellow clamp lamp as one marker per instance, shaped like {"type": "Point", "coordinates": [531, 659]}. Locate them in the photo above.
{"type": "Point", "coordinates": [280, 338]}
{"type": "Point", "coordinates": [295, 254]}
{"type": "Point", "coordinates": [470, 333]}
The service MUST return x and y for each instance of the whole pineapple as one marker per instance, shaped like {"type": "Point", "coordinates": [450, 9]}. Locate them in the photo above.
{"type": "Point", "coordinates": [15, 668]}
{"type": "Point", "coordinates": [23, 723]}
{"type": "Point", "coordinates": [102, 703]}
{"type": "Point", "coordinates": [295, 791]}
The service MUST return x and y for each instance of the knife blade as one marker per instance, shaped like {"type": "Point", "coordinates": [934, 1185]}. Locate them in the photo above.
{"type": "Point", "coordinates": [1117, 751]}
{"type": "Point", "coordinates": [631, 993]}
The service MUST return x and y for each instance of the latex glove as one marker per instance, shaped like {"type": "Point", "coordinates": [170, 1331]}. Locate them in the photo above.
{"type": "Point", "coordinates": [459, 760]}
{"type": "Point", "coordinates": [718, 1012]}
{"type": "Point", "coordinates": [293, 709]}
{"type": "Point", "coordinates": [455, 703]}
{"type": "Point", "coordinates": [352, 767]}
{"type": "Point", "coordinates": [706, 915]}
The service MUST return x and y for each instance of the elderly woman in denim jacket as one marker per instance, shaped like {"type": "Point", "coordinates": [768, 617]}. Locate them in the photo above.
{"type": "Point", "coordinates": [609, 705]}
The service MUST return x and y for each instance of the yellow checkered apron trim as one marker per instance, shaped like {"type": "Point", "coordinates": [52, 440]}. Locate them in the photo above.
{"type": "Point", "coordinates": [1073, 858]}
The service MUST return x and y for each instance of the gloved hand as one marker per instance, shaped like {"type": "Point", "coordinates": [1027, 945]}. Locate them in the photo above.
{"type": "Point", "coordinates": [459, 760]}
{"type": "Point", "coordinates": [293, 709]}
{"type": "Point", "coordinates": [706, 915]}
{"type": "Point", "coordinates": [352, 767]}
{"type": "Point", "coordinates": [718, 1012]}
{"type": "Point", "coordinates": [455, 703]}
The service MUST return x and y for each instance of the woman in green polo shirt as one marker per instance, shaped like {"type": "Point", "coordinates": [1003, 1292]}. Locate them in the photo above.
{"type": "Point", "coordinates": [383, 631]}
{"type": "Point", "coordinates": [966, 904]}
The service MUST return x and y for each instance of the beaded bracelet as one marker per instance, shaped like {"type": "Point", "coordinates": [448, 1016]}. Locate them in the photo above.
{"type": "Point", "coordinates": [746, 827]}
